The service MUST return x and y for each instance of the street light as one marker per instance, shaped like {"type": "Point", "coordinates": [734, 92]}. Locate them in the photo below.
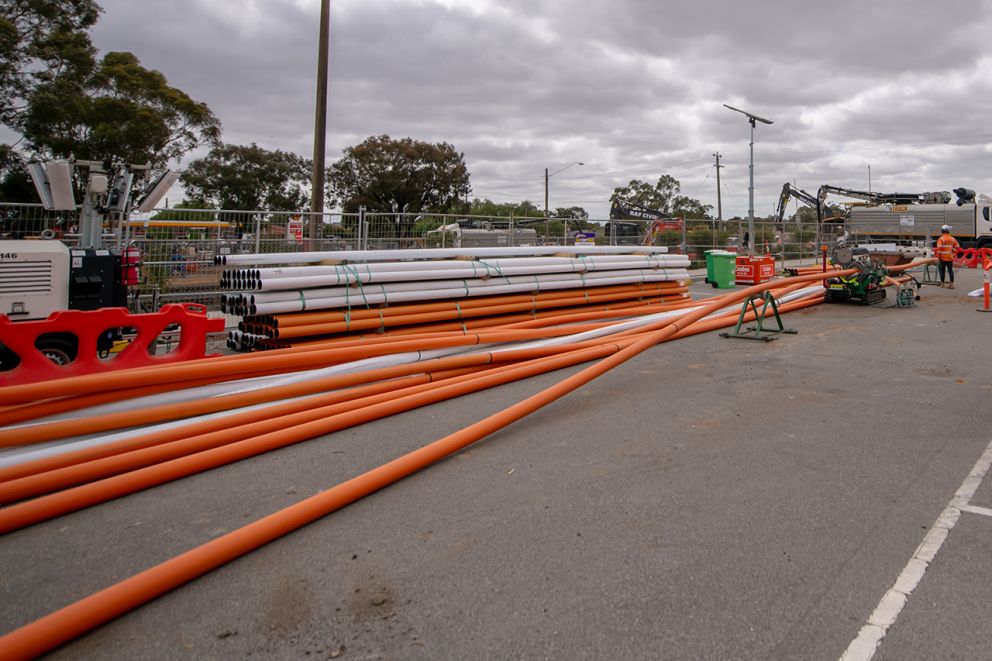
{"type": "Point", "coordinates": [548, 176]}
{"type": "Point", "coordinates": [750, 198]}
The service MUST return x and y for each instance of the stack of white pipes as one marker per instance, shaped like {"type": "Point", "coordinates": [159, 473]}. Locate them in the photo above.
{"type": "Point", "coordinates": [290, 289]}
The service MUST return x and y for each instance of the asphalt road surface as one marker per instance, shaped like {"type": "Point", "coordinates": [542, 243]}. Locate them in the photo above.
{"type": "Point", "coordinates": [711, 499]}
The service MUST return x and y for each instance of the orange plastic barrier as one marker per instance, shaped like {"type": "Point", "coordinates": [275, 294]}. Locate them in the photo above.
{"type": "Point", "coordinates": [87, 327]}
{"type": "Point", "coordinates": [971, 258]}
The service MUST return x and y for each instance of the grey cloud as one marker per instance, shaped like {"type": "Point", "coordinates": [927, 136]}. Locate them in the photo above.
{"type": "Point", "coordinates": [633, 88]}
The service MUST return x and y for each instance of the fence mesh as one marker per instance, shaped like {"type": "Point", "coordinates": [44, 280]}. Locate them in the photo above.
{"type": "Point", "coordinates": [178, 246]}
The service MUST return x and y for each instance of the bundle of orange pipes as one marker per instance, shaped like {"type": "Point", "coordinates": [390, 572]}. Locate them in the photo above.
{"type": "Point", "coordinates": [147, 442]}
{"type": "Point", "coordinates": [308, 328]}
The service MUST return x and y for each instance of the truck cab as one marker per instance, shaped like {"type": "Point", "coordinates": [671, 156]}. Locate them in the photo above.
{"type": "Point", "coordinates": [983, 223]}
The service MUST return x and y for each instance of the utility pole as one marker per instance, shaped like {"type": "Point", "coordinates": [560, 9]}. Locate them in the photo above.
{"type": "Point", "coordinates": [548, 176]}
{"type": "Point", "coordinates": [719, 201]}
{"type": "Point", "coordinates": [320, 122]}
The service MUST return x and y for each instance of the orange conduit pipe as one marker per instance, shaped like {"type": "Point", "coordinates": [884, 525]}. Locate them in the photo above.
{"type": "Point", "coordinates": [284, 431]}
{"type": "Point", "coordinates": [540, 321]}
{"type": "Point", "coordinates": [204, 456]}
{"type": "Point", "coordinates": [62, 429]}
{"type": "Point", "coordinates": [468, 323]}
{"type": "Point", "coordinates": [471, 308]}
{"type": "Point", "coordinates": [149, 438]}
{"type": "Point", "coordinates": [194, 370]}
{"type": "Point", "coordinates": [405, 335]}
{"type": "Point", "coordinates": [254, 415]}
{"type": "Point", "coordinates": [80, 426]}
{"type": "Point", "coordinates": [68, 428]}
{"type": "Point", "coordinates": [54, 462]}
{"type": "Point", "coordinates": [55, 479]}
{"type": "Point", "coordinates": [633, 308]}
{"type": "Point", "coordinates": [330, 328]}
{"type": "Point", "coordinates": [34, 410]}
{"type": "Point", "coordinates": [73, 620]}
{"type": "Point", "coordinates": [52, 479]}
{"type": "Point", "coordinates": [151, 449]}
{"type": "Point", "coordinates": [232, 366]}
{"type": "Point", "coordinates": [76, 427]}
{"type": "Point", "coordinates": [535, 301]}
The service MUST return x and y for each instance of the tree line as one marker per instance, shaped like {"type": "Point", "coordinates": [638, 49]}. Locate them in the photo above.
{"type": "Point", "coordinates": [64, 100]}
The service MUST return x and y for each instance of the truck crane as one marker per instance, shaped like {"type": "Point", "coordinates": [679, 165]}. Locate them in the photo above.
{"type": "Point", "coordinates": [916, 216]}
{"type": "Point", "coordinates": [934, 197]}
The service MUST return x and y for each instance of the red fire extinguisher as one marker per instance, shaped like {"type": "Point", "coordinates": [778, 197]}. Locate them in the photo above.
{"type": "Point", "coordinates": [130, 266]}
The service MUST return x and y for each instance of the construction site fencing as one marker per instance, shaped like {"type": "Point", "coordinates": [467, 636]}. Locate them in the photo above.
{"type": "Point", "coordinates": [178, 246]}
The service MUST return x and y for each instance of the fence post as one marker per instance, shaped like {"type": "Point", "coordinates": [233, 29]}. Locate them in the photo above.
{"type": "Point", "coordinates": [513, 235]}
{"type": "Point", "coordinates": [362, 229]}
{"type": "Point", "coordinates": [258, 233]}
{"type": "Point", "coordinates": [685, 248]}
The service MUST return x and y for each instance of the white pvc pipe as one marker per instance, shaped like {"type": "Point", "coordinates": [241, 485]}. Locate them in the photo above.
{"type": "Point", "coordinates": [364, 298]}
{"type": "Point", "coordinates": [483, 265]}
{"type": "Point", "coordinates": [414, 283]}
{"type": "Point", "coordinates": [304, 282]}
{"type": "Point", "coordinates": [430, 253]}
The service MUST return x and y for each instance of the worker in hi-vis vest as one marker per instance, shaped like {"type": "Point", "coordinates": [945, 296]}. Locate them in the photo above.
{"type": "Point", "coordinates": [944, 251]}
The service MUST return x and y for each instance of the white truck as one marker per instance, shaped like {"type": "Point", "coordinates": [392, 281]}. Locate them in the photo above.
{"type": "Point", "coordinates": [915, 216]}
{"type": "Point", "coordinates": [971, 224]}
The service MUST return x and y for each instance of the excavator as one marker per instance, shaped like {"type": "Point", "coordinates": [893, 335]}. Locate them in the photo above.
{"type": "Point", "coordinates": [630, 233]}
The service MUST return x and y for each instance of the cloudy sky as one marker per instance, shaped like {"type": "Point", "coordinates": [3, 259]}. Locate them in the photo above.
{"type": "Point", "coordinates": [632, 88]}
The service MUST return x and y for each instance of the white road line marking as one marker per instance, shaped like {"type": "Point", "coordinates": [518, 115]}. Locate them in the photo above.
{"type": "Point", "coordinates": [894, 600]}
{"type": "Point", "coordinates": [975, 509]}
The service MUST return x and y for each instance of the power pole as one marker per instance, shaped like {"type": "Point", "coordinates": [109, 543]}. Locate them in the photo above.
{"type": "Point", "coordinates": [320, 122]}
{"type": "Point", "coordinates": [719, 201]}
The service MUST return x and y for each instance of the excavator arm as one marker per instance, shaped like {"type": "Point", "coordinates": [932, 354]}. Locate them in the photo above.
{"type": "Point", "coordinates": [933, 197]}
{"type": "Point", "coordinates": [623, 209]}
{"type": "Point", "coordinates": [788, 192]}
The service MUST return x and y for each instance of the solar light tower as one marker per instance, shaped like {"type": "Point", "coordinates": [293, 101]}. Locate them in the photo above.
{"type": "Point", "coordinates": [750, 197]}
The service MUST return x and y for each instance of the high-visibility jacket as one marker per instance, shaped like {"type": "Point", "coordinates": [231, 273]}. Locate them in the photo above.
{"type": "Point", "coordinates": [947, 245]}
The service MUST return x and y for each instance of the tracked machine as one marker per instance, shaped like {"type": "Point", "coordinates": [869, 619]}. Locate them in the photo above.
{"type": "Point", "coordinates": [865, 287]}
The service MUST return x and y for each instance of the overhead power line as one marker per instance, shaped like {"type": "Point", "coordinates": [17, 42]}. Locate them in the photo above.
{"type": "Point", "coordinates": [799, 150]}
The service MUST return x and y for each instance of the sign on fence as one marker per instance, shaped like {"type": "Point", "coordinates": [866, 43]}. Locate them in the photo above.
{"type": "Point", "coordinates": [294, 229]}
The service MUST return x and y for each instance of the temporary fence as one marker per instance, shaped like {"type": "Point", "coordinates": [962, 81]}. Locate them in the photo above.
{"type": "Point", "coordinates": [179, 246]}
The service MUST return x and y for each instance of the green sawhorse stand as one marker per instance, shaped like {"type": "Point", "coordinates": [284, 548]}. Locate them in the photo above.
{"type": "Point", "coordinates": [930, 275]}
{"type": "Point", "coordinates": [758, 331]}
